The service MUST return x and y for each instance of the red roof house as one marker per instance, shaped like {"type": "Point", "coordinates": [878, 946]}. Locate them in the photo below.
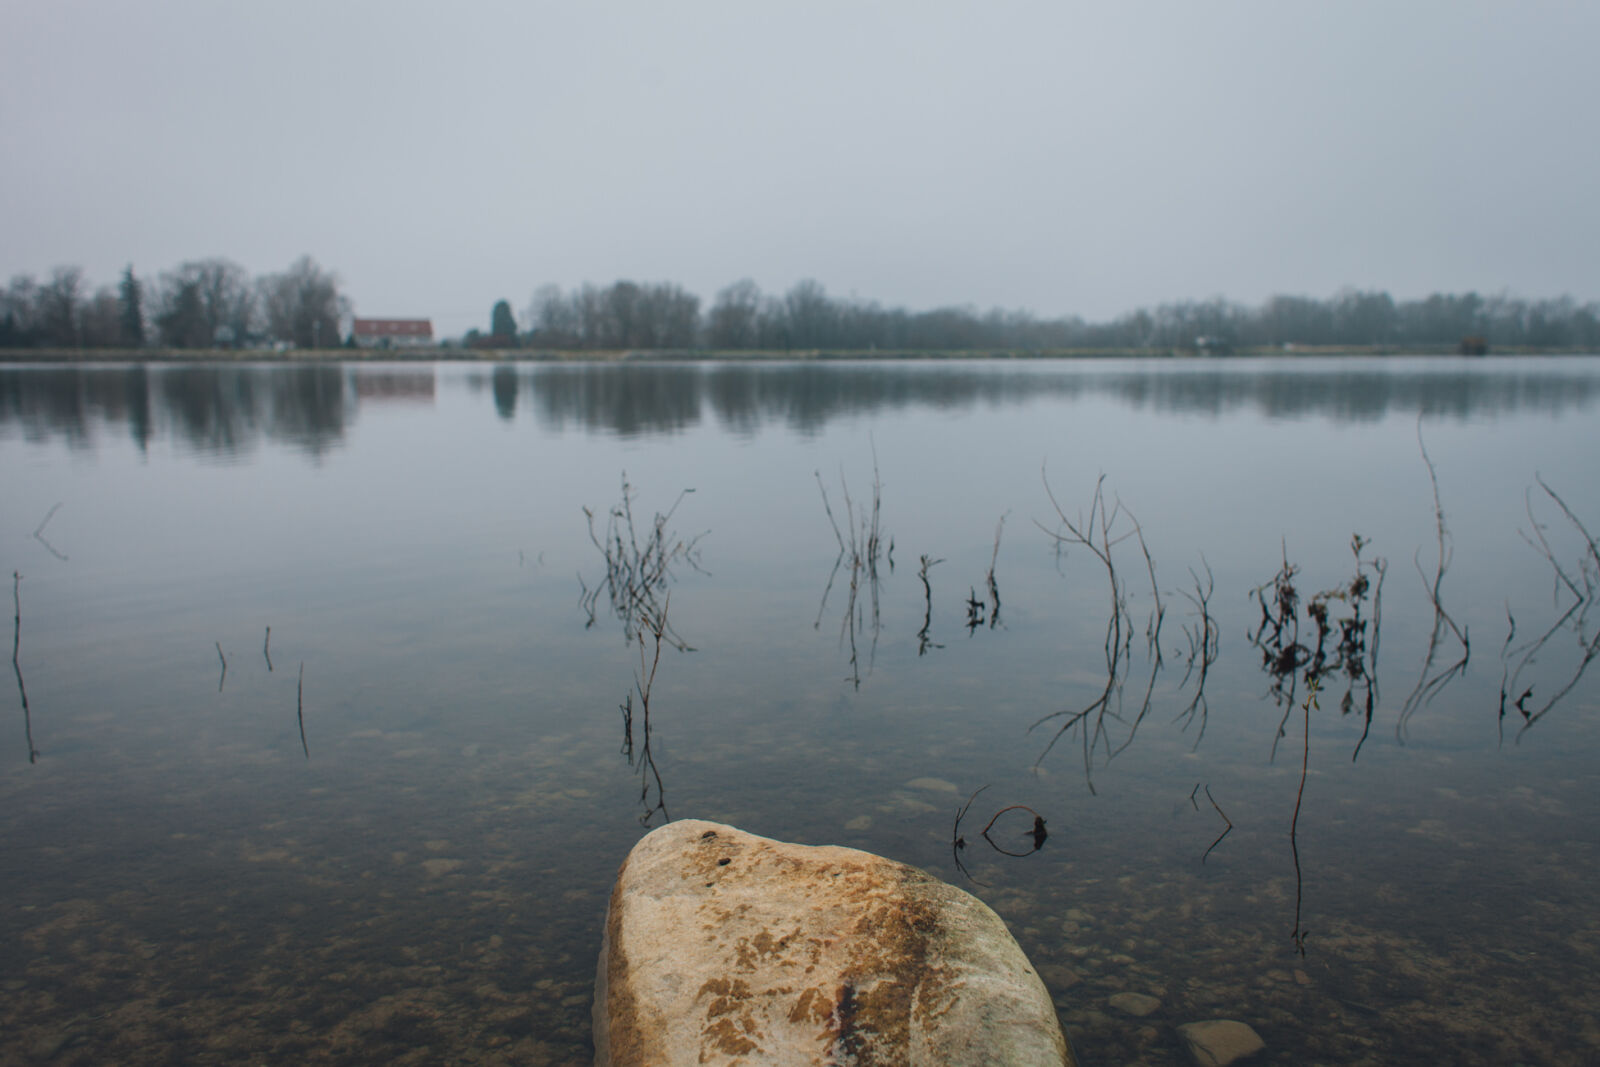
{"type": "Point", "coordinates": [392, 333]}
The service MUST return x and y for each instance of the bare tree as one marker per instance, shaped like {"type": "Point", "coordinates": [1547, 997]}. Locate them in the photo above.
{"type": "Point", "coordinates": [734, 320]}
{"type": "Point", "coordinates": [302, 306]}
{"type": "Point", "coordinates": [59, 303]}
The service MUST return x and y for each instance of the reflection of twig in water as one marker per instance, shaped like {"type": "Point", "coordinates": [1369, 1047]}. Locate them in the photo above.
{"type": "Point", "coordinates": [38, 533]}
{"type": "Point", "coordinates": [957, 842]}
{"type": "Point", "coordinates": [1427, 688]}
{"type": "Point", "coordinates": [1038, 834]}
{"type": "Point", "coordinates": [924, 642]}
{"type": "Point", "coordinates": [637, 574]}
{"type": "Point", "coordinates": [16, 665]}
{"type": "Point", "coordinates": [1225, 819]}
{"type": "Point", "coordinates": [861, 553]}
{"type": "Point", "coordinates": [644, 681]}
{"type": "Point", "coordinates": [994, 589]}
{"type": "Point", "coordinates": [1204, 644]}
{"type": "Point", "coordinates": [1101, 521]}
{"type": "Point", "coordinates": [300, 709]}
{"type": "Point", "coordinates": [1576, 615]}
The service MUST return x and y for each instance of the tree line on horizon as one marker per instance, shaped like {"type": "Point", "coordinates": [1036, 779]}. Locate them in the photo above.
{"type": "Point", "coordinates": [202, 303]}
{"type": "Point", "coordinates": [629, 315]}
{"type": "Point", "coordinates": [210, 303]}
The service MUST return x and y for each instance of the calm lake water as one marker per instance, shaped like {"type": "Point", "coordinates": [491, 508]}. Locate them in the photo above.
{"type": "Point", "coordinates": [385, 831]}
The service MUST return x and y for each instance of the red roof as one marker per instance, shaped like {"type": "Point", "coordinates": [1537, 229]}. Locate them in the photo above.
{"type": "Point", "coordinates": [393, 328]}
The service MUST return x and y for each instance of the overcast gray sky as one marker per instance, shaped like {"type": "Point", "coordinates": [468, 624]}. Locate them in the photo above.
{"type": "Point", "coordinates": [1061, 157]}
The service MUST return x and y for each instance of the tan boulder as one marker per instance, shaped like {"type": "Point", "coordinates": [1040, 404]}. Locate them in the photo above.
{"type": "Point", "coordinates": [722, 947]}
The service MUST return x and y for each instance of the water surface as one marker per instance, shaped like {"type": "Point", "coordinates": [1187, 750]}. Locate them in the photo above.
{"type": "Point", "coordinates": [423, 871]}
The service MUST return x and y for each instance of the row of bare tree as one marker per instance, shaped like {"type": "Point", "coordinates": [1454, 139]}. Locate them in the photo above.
{"type": "Point", "coordinates": [630, 315]}
{"type": "Point", "coordinates": [204, 303]}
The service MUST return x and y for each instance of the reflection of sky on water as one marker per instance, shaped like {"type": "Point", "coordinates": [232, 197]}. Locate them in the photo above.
{"type": "Point", "coordinates": [459, 717]}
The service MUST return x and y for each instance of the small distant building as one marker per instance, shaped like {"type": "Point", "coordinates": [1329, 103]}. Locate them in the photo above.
{"type": "Point", "coordinates": [392, 333]}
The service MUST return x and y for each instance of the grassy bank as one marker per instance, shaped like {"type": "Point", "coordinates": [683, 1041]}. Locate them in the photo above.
{"type": "Point", "coordinates": [534, 355]}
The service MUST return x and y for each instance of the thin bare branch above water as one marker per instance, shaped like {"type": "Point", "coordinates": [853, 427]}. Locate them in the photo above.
{"type": "Point", "coordinates": [1573, 619]}
{"type": "Point", "coordinates": [638, 570]}
{"type": "Point", "coordinates": [860, 549]}
{"type": "Point", "coordinates": [16, 664]}
{"type": "Point", "coordinates": [1430, 683]}
{"type": "Point", "coordinates": [1100, 532]}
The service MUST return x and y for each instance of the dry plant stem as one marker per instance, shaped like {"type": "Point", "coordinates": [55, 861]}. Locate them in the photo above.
{"type": "Point", "coordinates": [861, 552]}
{"type": "Point", "coordinates": [1298, 935]}
{"type": "Point", "coordinates": [924, 642]}
{"type": "Point", "coordinates": [266, 649]}
{"type": "Point", "coordinates": [1159, 613]}
{"type": "Point", "coordinates": [1575, 615]}
{"type": "Point", "coordinates": [994, 589]}
{"type": "Point", "coordinates": [636, 573]}
{"type": "Point", "coordinates": [1119, 633]}
{"type": "Point", "coordinates": [300, 709]}
{"type": "Point", "coordinates": [1038, 823]}
{"type": "Point", "coordinates": [957, 842]}
{"type": "Point", "coordinates": [1427, 688]}
{"type": "Point", "coordinates": [224, 660]}
{"type": "Point", "coordinates": [16, 664]}
{"type": "Point", "coordinates": [1204, 643]}
{"type": "Point", "coordinates": [1225, 819]}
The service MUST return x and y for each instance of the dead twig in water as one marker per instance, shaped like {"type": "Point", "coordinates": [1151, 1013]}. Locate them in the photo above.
{"type": "Point", "coordinates": [1298, 935]}
{"type": "Point", "coordinates": [224, 660]}
{"type": "Point", "coordinates": [859, 553]}
{"type": "Point", "coordinates": [266, 649]}
{"type": "Point", "coordinates": [644, 682]}
{"type": "Point", "coordinates": [924, 642]}
{"type": "Point", "coordinates": [957, 842]}
{"type": "Point", "coordinates": [1096, 533]}
{"type": "Point", "coordinates": [994, 589]}
{"type": "Point", "coordinates": [16, 664]}
{"type": "Point", "coordinates": [1038, 832]}
{"type": "Point", "coordinates": [1427, 688]}
{"type": "Point", "coordinates": [637, 573]}
{"type": "Point", "coordinates": [1205, 640]}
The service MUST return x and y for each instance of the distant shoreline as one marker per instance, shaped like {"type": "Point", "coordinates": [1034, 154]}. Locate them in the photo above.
{"type": "Point", "coordinates": [529, 355]}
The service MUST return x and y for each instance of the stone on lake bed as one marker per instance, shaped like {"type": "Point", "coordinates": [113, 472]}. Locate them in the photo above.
{"type": "Point", "coordinates": [936, 785]}
{"type": "Point", "coordinates": [1217, 1042]}
{"type": "Point", "coordinates": [722, 947]}
{"type": "Point", "coordinates": [1134, 1003]}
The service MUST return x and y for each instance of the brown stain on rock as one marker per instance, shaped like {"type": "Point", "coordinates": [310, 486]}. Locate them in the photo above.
{"type": "Point", "coordinates": [842, 954]}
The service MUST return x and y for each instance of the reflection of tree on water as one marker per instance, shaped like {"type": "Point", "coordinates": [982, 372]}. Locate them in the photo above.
{"type": "Point", "coordinates": [213, 408]}
{"type": "Point", "coordinates": [634, 398]}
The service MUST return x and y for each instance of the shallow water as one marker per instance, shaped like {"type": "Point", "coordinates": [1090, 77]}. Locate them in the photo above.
{"type": "Point", "coordinates": [424, 874]}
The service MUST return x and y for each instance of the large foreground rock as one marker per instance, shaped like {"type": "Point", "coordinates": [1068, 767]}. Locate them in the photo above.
{"type": "Point", "coordinates": [726, 948]}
